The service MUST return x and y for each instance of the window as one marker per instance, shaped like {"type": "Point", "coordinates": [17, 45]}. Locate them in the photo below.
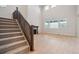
{"type": "Point", "coordinates": [55, 23]}
{"type": "Point", "coordinates": [46, 24]}
{"type": "Point", "coordinates": [51, 24]}
{"type": "Point", "coordinates": [63, 23]}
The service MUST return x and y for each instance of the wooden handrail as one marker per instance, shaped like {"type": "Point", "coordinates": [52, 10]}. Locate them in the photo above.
{"type": "Point", "coordinates": [26, 28]}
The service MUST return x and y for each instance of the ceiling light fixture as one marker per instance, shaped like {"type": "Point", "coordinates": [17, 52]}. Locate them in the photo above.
{"type": "Point", "coordinates": [46, 7]}
{"type": "Point", "coordinates": [52, 6]}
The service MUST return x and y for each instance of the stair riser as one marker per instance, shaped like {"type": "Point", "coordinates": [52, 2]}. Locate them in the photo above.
{"type": "Point", "coordinates": [10, 35]}
{"type": "Point", "coordinates": [1, 23]}
{"type": "Point", "coordinates": [6, 31]}
{"type": "Point", "coordinates": [10, 41]}
{"type": "Point", "coordinates": [2, 18]}
{"type": "Point", "coordinates": [6, 19]}
{"type": "Point", "coordinates": [11, 48]}
{"type": "Point", "coordinates": [24, 51]}
{"type": "Point", "coordinates": [8, 26]}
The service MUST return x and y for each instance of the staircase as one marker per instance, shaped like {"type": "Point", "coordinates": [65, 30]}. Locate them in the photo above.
{"type": "Point", "coordinates": [12, 39]}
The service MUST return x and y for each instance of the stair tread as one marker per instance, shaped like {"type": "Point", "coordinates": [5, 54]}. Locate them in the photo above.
{"type": "Point", "coordinates": [4, 50]}
{"type": "Point", "coordinates": [9, 25]}
{"type": "Point", "coordinates": [6, 20]}
{"type": "Point", "coordinates": [10, 29]}
{"type": "Point", "coordinates": [9, 33]}
{"type": "Point", "coordinates": [9, 38]}
{"type": "Point", "coordinates": [6, 31]}
{"type": "Point", "coordinates": [18, 49]}
{"type": "Point", "coordinates": [11, 44]}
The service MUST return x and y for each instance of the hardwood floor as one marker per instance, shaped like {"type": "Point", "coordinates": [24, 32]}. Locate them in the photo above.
{"type": "Point", "coordinates": [54, 44]}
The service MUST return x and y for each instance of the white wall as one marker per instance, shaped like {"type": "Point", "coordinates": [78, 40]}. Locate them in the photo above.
{"type": "Point", "coordinates": [66, 11]}
{"type": "Point", "coordinates": [77, 21]}
{"type": "Point", "coordinates": [33, 15]}
{"type": "Point", "coordinates": [78, 26]}
{"type": "Point", "coordinates": [9, 9]}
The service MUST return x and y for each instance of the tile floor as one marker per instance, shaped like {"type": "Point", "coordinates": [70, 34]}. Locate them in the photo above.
{"type": "Point", "coordinates": [55, 44]}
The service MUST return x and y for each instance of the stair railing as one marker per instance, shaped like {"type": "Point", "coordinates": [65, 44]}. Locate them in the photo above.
{"type": "Point", "coordinates": [26, 27]}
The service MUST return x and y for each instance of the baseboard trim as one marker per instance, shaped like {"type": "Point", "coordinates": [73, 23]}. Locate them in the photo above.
{"type": "Point", "coordinates": [58, 35]}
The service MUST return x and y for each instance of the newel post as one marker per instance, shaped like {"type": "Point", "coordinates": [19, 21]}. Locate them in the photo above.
{"type": "Point", "coordinates": [17, 13]}
{"type": "Point", "coordinates": [32, 39]}
{"type": "Point", "coordinates": [16, 8]}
